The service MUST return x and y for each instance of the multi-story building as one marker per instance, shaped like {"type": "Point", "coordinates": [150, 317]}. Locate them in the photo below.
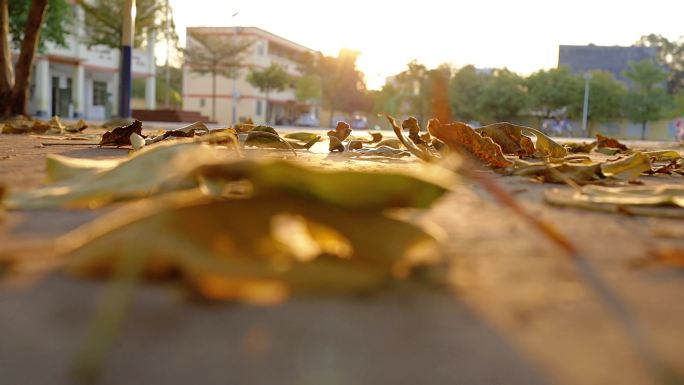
{"type": "Point", "coordinates": [236, 99]}
{"type": "Point", "coordinates": [78, 81]}
{"type": "Point", "coordinates": [614, 59]}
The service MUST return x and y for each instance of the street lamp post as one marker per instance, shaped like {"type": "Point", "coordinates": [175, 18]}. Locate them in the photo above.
{"type": "Point", "coordinates": [585, 107]}
{"type": "Point", "coordinates": [235, 95]}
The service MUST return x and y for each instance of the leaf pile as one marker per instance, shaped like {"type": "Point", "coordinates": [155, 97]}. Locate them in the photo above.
{"type": "Point", "coordinates": [26, 125]}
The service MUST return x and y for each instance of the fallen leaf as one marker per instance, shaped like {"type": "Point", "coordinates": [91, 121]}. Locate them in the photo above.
{"type": "Point", "coordinates": [380, 151]}
{"type": "Point", "coordinates": [583, 147]}
{"type": "Point", "coordinates": [460, 136]}
{"type": "Point", "coordinates": [354, 145]}
{"type": "Point", "coordinates": [607, 142]}
{"type": "Point", "coordinates": [120, 136]}
{"type": "Point", "coordinates": [515, 139]}
{"type": "Point", "coordinates": [376, 136]}
{"type": "Point", "coordinates": [664, 201]}
{"type": "Point", "coordinates": [411, 124]}
{"type": "Point", "coordinates": [420, 151]}
{"type": "Point", "coordinates": [663, 155]}
{"type": "Point", "coordinates": [628, 168]}
{"type": "Point", "coordinates": [302, 136]}
{"type": "Point", "coordinates": [77, 127]}
{"type": "Point", "coordinates": [217, 252]}
{"type": "Point", "coordinates": [391, 142]}
{"type": "Point", "coordinates": [59, 168]}
{"type": "Point", "coordinates": [559, 173]}
{"type": "Point", "coordinates": [149, 171]}
{"type": "Point", "coordinates": [338, 187]}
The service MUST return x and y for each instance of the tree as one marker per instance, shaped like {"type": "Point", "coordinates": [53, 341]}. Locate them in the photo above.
{"type": "Point", "coordinates": [385, 100]}
{"type": "Point", "coordinates": [646, 99]}
{"type": "Point", "coordinates": [14, 87]}
{"type": "Point", "coordinates": [414, 89]}
{"type": "Point", "coordinates": [271, 78]}
{"type": "Point", "coordinates": [215, 55]}
{"type": "Point", "coordinates": [503, 96]}
{"type": "Point", "coordinates": [554, 91]}
{"type": "Point", "coordinates": [59, 14]}
{"type": "Point", "coordinates": [308, 88]}
{"type": "Point", "coordinates": [342, 84]}
{"type": "Point", "coordinates": [670, 55]}
{"type": "Point", "coordinates": [465, 90]}
{"type": "Point", "coordinates": [173, 90]}
{"type": "Point", "coordinates": [606, 96]}
{"type": "Point", "coordinates": [104, 21]}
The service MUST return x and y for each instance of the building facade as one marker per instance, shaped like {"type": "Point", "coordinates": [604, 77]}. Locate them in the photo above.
{"type": "Point", "coordinates": [236, 99]}
{"type": "Point", "coordinates": [614, 59]}
{"type": "Point", "coordinates": [78, 81]}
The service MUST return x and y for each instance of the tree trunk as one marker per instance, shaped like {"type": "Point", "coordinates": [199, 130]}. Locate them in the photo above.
{"type": "Point", "coordinates": [6, 75]}
{"type": "Point", "coordinates": [25, 63]}
{"type": "Point", "coordinates": [213, 95]}
{"type": "Point", "coordinates": [643, 130]}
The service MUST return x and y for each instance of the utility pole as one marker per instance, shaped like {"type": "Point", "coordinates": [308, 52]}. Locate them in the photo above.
{"type": "Point", "coordinates": [585, 107]}
{"type": "Point", "coordinates": [167, 77]}
{"type": "Point", "coordinates": [126, 56]}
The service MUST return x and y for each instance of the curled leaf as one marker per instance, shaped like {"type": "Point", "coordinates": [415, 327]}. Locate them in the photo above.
{"type": "Point", "coordinates": [222, 256]}
{"type": "Point", "coordinates": [628, 168]}
{"type": "Point", "coordinates": [515, 139]}
{"type": "Point", "coordinates": [120, 136]}
{"type": "Point", "coordinates": [411, 124]}
{"type": "Point", "coordinates": [608, 142]}
{"type": "Point", "coordinates": [420, 152]}
{"type": "Point", "coordinates": [459, 136]}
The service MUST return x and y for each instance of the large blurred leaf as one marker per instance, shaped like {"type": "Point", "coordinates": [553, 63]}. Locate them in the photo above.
{"type": "Point", "coordinates": [232, 249]}
{"type": "Point", "coordinates": [151, 170]}
{"type": "Point", "coordinates": [340, 187]}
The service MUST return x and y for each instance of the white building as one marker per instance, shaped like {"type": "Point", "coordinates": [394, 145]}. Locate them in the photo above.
{"type": "Point", "coordinates": [80, 82]}
{"type": "Point", "coordinates": [237, 93]}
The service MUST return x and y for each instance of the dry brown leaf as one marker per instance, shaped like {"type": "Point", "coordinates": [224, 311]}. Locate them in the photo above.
{"type": "Point", "coordinates": [608, 142]}
{"type": "Point", "coordinates": [120, 136]}
{"type": "Point", "coordinates": [459, 136]}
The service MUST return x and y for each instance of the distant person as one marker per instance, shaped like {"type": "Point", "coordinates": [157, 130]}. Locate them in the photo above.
{"type": "Point", "coordinates": [679, 127]}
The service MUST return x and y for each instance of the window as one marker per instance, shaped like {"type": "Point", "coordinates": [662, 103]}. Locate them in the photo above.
{"type": "Point", "coordinates": [202, 103]}
{"type": "Point", "coordinates": [261, 49]}
{"type": "Point", "coordinates": [258, 108]}
{"type": "Point", "coordinates": [99, 93]}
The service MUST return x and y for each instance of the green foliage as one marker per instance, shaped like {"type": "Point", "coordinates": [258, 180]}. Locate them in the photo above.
{"type": "Point", "coordinates": [646, 99]}
{"type": "Point", "coordinates": [308, 88]}
{"type": "Point", "coordinates": [104, 21]}
{"type": "Point", "coordinates": [465, 90]}
{"type": "Point", "coordinates": [671, 56]}
{"type": "Point", "coordinates": [56, 25]}
{"type": "Point", "coordinates": [271, 78]}
{"type": "Point", "coordinates": [503, 96]}
{"type": "Point", "coordinates": [342, 84]}
{"type": "Point", "coordinates": [386, 100]}
{"type": "Point", "coordinates": [605, 96]}
{"type": "Point", "coordinates": [551, 91]}
{"type": "Point", "coordinates": [415, 91]}
{"type": "Point", "coordinates": [174, 89]}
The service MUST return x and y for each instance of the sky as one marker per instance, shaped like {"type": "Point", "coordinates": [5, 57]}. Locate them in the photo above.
{"type": "Point", "coordinates": [522, 35]}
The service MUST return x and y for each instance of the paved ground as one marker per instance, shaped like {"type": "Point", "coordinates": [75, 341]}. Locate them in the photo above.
{"type": "Point", "coordinates": [515, 311]}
